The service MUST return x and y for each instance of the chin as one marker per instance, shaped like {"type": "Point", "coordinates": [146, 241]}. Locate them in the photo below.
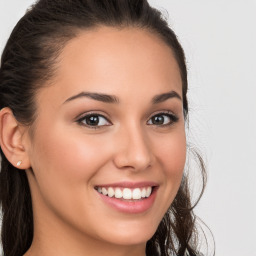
{"type": "Point", "coordinates": [130, 236]}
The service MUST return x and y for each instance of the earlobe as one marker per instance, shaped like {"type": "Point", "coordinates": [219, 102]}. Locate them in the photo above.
{"type": "Point", "coordinates": [11, 140]}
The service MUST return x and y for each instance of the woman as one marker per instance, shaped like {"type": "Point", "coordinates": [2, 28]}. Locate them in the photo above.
{"type": "Point", "coordinates": [92, 121]}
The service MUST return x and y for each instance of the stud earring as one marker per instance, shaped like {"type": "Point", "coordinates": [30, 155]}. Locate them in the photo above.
{"type": "Point", "coordinates": [19, 163]}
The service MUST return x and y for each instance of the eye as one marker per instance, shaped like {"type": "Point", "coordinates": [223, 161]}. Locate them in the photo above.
{"type": "Point", "coordinates": [93, 121]}
{"type": "Point", "coordinates": [163, 119]}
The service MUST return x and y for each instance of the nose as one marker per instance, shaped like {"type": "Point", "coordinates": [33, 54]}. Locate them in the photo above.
{"type": "Point", "coordinates": [133, 150]}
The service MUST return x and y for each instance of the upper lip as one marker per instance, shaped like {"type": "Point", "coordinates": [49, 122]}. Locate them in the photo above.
{"type": "Point", "coordinates": [128, 184]}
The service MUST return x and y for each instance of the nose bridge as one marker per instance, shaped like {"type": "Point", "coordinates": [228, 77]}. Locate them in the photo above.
{"type": "Point", "coordinates": [134, 150]}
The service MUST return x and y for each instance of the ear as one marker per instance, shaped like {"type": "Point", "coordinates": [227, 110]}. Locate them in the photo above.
{"type": "Point", "coordinates": [13, 140]}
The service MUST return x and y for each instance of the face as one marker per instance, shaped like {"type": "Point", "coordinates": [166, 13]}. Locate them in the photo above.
{"type": "Point", "coordinates": [108, 148]}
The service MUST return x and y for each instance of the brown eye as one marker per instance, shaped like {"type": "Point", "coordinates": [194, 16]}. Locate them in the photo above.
{"type": "Point", "coordinates": [94, 120]}
{"type": "Point", "coordinates": [163, 119]}
{"type": "Point", "coordinates": [158, 120]}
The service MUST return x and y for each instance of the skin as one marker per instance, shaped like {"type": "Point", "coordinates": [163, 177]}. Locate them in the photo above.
{"type": "Point", "coordinates": [69, 159]}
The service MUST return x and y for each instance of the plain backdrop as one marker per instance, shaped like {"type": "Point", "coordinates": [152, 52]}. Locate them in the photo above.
{"type": "Point", "coordinates": [219, 39]}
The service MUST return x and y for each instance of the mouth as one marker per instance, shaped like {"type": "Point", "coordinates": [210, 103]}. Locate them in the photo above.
{"type": "Point", "coordinates": [124, 193]}
{"type": "Point", "coordinates": [130, 198]}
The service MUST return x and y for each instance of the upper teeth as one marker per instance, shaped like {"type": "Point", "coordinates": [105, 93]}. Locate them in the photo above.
{"type": "Point", "coordinates": [126, 193]}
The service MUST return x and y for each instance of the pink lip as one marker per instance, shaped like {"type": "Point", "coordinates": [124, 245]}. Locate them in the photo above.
{"type": "Point", "coordinates": [130, 206]}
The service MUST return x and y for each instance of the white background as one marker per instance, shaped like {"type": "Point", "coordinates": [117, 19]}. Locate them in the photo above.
{"type": "Point", "coordinates": [219, 38]}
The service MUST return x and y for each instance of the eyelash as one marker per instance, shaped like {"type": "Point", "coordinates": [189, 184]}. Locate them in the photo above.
{"type": "Point", "coordinates": [172, 117]}
{"type": "Point", "coordinates": [81, 120]}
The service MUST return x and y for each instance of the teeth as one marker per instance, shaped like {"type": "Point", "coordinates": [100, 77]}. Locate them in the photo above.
{"type": "Point", "coordinates": [126, 193]}
{"type": "Point", "coordinates": [149, 190]}
{"type": "Point", "coordinates": [104, 191]}
{"type": "Point", "coordinates": [136, 193]}
{"type": "Point", "coordinates": [143, 192]}
{"type": "Point", "coordinates": [118, 193]}
{"type": "Point", "coordinates": [111, 192]}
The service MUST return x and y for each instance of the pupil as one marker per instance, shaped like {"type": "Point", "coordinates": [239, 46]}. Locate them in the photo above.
{"type": "Point", "coordinates": [93, 120]}
{"type": "Point", "coordinates": [158, 120]}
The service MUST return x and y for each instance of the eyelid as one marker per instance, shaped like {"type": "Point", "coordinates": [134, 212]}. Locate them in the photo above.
{"type": "Point", "coordinates": [92, 112]}
{"type": "Point", "coordinates": [81, 117]}
{"type": "Point", "coordinates": [165, 112]}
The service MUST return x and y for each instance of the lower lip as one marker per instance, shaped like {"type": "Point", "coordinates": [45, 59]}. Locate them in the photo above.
{"type": "Point", "coordinates": [132, 206]}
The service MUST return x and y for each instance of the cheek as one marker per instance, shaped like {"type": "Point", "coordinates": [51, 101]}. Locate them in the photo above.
{"type": "Point", "coordinates": [172, 153]}
{"type": "Point", "coordinates": [67, 150]}
{"type": "Point", "coordinates": [65, 161]}
{"type": "Point", "coordinates": [64, 168]}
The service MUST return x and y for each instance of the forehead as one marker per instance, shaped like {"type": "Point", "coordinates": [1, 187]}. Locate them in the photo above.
{"type": "Point", "coordinates": [115, 61]}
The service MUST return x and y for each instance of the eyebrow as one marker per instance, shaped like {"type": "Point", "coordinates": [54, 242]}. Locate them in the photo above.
{"type": "Point", "coordinates": [107, 98]}
{"type": "Point", "coordinates": [95, 96]}
{"type": "Point", "coordinates": [165, 96]}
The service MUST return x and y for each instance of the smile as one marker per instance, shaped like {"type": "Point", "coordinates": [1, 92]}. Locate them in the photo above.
{"type": "Point", "coordinates": [126, 193]}
{"type": "Point", "coordinates": [128, 197]}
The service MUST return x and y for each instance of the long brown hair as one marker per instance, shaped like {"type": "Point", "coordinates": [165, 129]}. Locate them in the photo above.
{"type": "Point", "coordinates": [28, 61]}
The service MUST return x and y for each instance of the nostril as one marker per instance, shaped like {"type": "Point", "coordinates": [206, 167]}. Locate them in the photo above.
{"type": "Point", "coordinates": [134, 163]}
{"type": "Point", "coordinates": [133, 152]}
